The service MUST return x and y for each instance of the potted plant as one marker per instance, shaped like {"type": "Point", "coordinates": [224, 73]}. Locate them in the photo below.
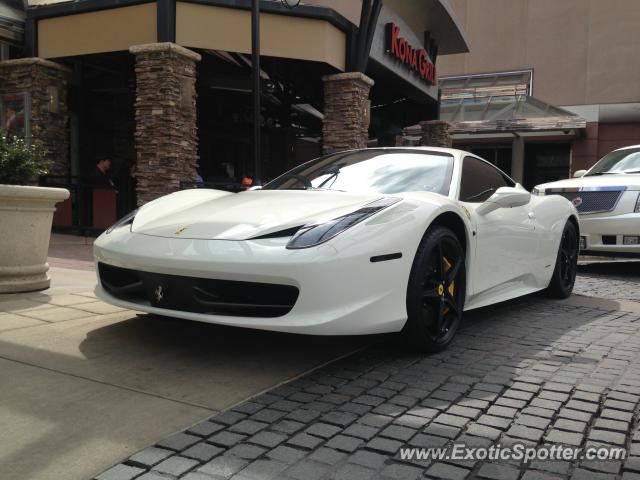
{"type": "Point", "coordinates": [26, 213]}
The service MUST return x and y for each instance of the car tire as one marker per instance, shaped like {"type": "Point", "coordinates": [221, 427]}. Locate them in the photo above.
{"type": "Point", "coordinates": [435, 291]}
{"type": "Point", "coordinates": [564, 273]}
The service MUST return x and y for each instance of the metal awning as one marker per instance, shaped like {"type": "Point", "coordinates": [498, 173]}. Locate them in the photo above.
{"type": "Point", "coordinates": [500, 103]}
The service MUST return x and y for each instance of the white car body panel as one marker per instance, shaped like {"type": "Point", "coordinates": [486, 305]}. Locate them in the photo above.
{"type": "Point", "coordinates": [621, 220]}
{"type": "Point", "coordinates": [510, 252]}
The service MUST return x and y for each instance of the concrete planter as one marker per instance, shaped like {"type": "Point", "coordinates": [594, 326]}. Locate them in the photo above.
{"type": "Point", "coordinates": [25, 219]}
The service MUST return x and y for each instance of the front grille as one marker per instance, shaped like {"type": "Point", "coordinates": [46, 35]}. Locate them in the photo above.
{"type": "Point", "coordinates": [609, 240]}
{"type": "Point", "coordinates": [592, 201]}
{"type": "Point", "coordinates": [198, 295]}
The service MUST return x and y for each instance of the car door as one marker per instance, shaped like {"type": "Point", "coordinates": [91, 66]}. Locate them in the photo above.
{"type": "Point", "coordinates": [505, 238]}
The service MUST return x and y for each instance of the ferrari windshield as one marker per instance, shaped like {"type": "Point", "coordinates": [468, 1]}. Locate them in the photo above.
{"type": "Point", "coordinates": [372, 171]}
{"type": "Point", "coordinates": [619, 161]}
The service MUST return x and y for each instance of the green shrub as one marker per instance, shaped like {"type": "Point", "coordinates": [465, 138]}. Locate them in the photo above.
{"type": "Point", "coordinates": [21, 163]}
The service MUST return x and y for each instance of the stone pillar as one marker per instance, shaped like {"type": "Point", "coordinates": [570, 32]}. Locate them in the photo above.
{"type": "Point", "coordinates": [45, 82]}
{"type": "Point", "coordinates": [346, 111]}
{"type": "Point", "coordinates": [436, 133]}
{"type": "Point", "coordinates": [166, 137]}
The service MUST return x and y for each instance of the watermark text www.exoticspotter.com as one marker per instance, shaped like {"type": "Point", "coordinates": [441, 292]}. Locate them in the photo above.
{"type": "Point", "coordinates": [518, 451]}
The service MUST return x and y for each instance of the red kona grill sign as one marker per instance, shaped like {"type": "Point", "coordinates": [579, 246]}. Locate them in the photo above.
{"type": "Point", "coordinates": [414, 58]}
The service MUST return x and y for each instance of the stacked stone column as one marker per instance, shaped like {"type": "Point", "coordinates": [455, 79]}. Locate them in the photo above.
{"type": "Point", "coordinates": [166, 136]}
{"type": "Point", "coordinates": [346, 111]}
{"type": "Point", "coordinates": [46, 84]}
{"type": "Point", "coordinates": [436, 133]}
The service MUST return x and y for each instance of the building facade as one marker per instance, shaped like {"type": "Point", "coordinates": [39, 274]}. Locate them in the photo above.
{"type": "Point", "coordinates": [163, 87]}
{"type": "Point", "coordinates": [548, 87]}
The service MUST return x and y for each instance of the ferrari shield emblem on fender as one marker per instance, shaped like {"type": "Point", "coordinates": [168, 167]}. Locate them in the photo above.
{"type": "Point", "coordinates": [577, 201]}
{"type": "Point", "coordinates": [159, 293]}
{"type": "Point", "coordinates": [466, 212]}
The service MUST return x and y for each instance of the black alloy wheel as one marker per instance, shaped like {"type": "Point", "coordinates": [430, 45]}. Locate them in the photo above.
{"type": "Point", "coordinates": [564, 274]}
{"type": "Point", "coordinates": [436, 291]}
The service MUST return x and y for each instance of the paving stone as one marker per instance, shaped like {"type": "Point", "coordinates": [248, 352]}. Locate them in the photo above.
{"type": "Point", "coordinates": [344, 443]}
{"type": "Point", "coordinates": [226, 439]}
{"type": "Point", "coordinates": [327, 455]}
{"type": "Point", "coordinates": [532, 421]}
{"type": "Point", "coordinates": [267, 439]}
{"type": "Point", "coordinates": [288, 426]}
{"type": "Point", "coordinates": [607, 424]}
{"type": "Point", "coordinates": [616, 415]}
{"type": "Point", "coordinates": [307, 470]}
{"type": "Point", "coordinates": [582, 474]}
{"type": "Point", "coordinates": [570, 425]}
{"type": "Point", "coordinates": [304, 440]}
{"type": "Point", "coordinates": [575, 415]}
{"type": "Point", "coordinates": [179, 441]}
{"type": "Point", "coordinates": [341, 419]}
{"type": "Point", "coordinates": [567, 438]}
{"type": "Point", "coordinates": [496, 422]}
{"type": "Point", "coordinates": [556, 396]}
{"type": "Point", "coordinates": [396, 471]}
{"type": "Point", "coordinates": [229, 417]}
{"type": "Point", "coordinates": [262, 470]}
{"type": "Point", "coordinates": [268, 415]}
{"type": "Point", "coordinates": [120, 472]}
{"type": "Point", "coordinates": [202, 451]}
{"type": "Point", "coordinates": [427, 441]}
{"type": "Point", "coordinates": [368, 459]}
{"type": "Point", "coordinates": [205, 429]}
{"type": "Point", "coordinates": [361, 431]}
{"type": "Point", "coordinates": [606, 436]}
{"type": "Point", "coordinates": [248, 407]}
{"type": "Point", "coordinates": [539, 412]}
{"type": "Point", "coordinates": [453, 420]}
{"type": "Point", "coordinates": [618, 405]}
{"type": "Point", "coordinates": [446, 472]}
{"type": "Point", "coordinates": [496, 471]}
{"type": "Point", "coordinates": [176, 465]}
{"type": "Point", "coordinates": [286, 454]}
{"type": "Point", "coordinates": [484, 431]}
{"type": "Point", "coordinates": [323, 430]}
{"type": "Point", "coordinates": [374, 420]}
{"type": "Point", "coordinates": [538, 475]}
{"type": "Point", "coordinates": [527, 433]}
{"type": "Point", "coordinates": [510, 402]}
{"type": "Point", "coordinates": [384, 445]}
{"type": "Point", "coordinates": [582, 406]}
{"type": "Point", "coordinates": [458, 410]}
{"type": "Point", "coordinates": [411, 421]}
{"type": "Point", "coordinates": [502, 411]}
{"type": "Point", "coordinates": [243, 450]}
{"type": "Point", "coordinates": [440, 430]}
{"type": "Point", "coordinates": [352, 472]}
{"type": "Point", "coordinates": [150, 456]}
{"type": "Point", "coordinates": [544, 403]}
{"type": "Point", "coordinates": [398, 433]}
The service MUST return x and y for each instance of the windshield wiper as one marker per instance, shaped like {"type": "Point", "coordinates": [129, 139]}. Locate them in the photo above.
{"type": "Point", "coordinates": [602, 173]}
{"type": "Point", "coordinates": [631, 171]}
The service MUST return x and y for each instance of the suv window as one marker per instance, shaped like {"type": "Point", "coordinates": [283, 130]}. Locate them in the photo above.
{"type": "Point", "coordinates": [480, 180]}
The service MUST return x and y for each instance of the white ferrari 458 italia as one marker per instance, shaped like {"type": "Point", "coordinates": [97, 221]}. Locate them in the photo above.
{"type": "Point", "coordinates": [358, 242]}
{"type": "Point", "coordinates": [607, 197]}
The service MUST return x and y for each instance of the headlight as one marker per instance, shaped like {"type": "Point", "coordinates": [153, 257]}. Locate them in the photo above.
{"type": "Point", "coordinates": [126, 220]}
{"type": "Point", "coordinates": [637, 209]}
{"type": "Point", "coordinates": [312, 235]}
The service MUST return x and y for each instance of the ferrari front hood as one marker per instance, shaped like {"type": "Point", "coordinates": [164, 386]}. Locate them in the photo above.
{"type": "Point", "coordinates": [630, 181]}
{"type": "Point", "coordinates": [212, 214]}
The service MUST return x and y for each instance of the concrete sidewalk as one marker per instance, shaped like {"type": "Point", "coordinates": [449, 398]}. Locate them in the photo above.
{"type": "Point", "coordinates": [85, 384]}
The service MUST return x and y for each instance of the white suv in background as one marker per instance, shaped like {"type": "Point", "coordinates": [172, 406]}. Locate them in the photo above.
{"type": "Point", "coordinates": [607, 197]}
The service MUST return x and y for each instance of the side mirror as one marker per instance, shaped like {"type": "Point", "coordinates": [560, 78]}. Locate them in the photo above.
{"type": "Point", "coordinates": [579, 173]}
{"type": "Point", "coordinates": [505, 197]}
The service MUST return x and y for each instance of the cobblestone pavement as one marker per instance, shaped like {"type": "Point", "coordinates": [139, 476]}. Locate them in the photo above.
{"type": "Point", "coordinates": [533, 371]}
{"type": "Point", "coordinates": [619, 280]}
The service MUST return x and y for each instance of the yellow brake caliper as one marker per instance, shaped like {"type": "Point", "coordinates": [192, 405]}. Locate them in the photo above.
{"type": "Point", "coordinates": [451, 288]}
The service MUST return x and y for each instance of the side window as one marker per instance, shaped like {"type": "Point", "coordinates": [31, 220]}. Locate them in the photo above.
{"type": "Point", "coordinates": [480, 180]}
